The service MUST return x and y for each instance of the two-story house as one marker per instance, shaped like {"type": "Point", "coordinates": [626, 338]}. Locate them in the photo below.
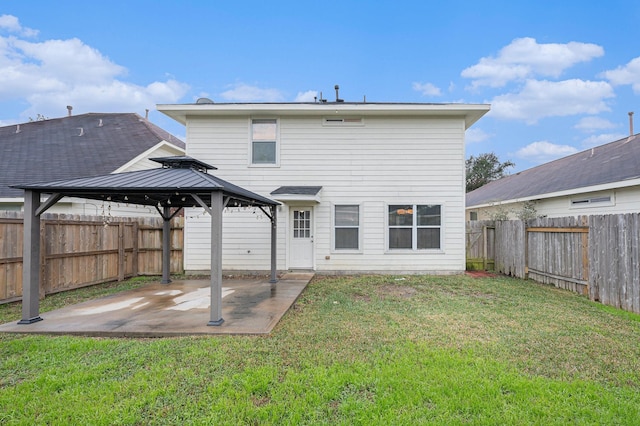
{"type": "Point", "coordinates": [364, 187]}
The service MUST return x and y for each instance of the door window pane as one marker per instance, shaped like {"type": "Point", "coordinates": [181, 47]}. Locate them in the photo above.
{"type": "Point", "coordinates": [301, 224]}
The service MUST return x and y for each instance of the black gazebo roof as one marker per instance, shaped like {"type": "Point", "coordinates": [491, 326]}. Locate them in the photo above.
{"type": "Point", "coordinates": [172, 185]}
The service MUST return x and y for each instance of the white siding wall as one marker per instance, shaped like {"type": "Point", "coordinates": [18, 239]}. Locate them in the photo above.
{"type": "Point", "coordinates": [385, 161]}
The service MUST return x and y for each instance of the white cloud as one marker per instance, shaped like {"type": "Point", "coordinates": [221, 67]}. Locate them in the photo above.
{"type": "Point", "coordinates": [475, 135]}
{"type": "Point", "coordinates": [591, 124]}
{"type": "Point", "coordinates": [543, 152]}
{"type": "Point", "coordinates": [49, 75]}
{"type": "Point", "coordinates": [114, 96]}
{"type": "Point", "coordinates": [11, 24]}
{"type": "Point", "coordinates": [308, 96]}
{"type": "Point", "coordinates": [628, 74]}
{"type": "Point", "coordinates": [525, 58]}
{"type": "Point", "coordinates": [539, 99]}
{"type": "Point", "coordinates": [597, 140]}
{"type": "Point", "coordinates": [427, 89]}
{"type": "Point", "coordinates": [242, 92]}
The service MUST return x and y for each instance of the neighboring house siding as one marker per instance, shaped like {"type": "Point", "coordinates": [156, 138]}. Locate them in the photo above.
{"type": "Point", "coordinates": [384, 161]}
{"type": "Point", "coordinates": [623, 200]}
{"type": "Point", "coordinates": [143, 162]}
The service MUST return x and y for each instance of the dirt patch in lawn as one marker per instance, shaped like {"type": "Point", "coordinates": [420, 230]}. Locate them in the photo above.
{"type": "Point", "coordinates": [480, 274]}
{"type": "Point", "coordinates": [397, 291]}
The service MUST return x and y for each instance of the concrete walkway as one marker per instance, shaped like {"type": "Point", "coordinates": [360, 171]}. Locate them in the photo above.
{"type": "Point", "coordinates": [181, 308]}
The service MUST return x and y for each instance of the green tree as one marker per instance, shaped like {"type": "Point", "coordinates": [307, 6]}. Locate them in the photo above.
{"type": "Point", "coordinates": [483, 169]}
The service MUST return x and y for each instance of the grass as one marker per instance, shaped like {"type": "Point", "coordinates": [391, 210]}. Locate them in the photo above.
{"type": "Point", "coordinates": [353, 350]}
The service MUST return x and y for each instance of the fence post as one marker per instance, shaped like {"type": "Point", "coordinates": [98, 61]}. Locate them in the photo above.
{"type": "Point", "coordinates": [134, 237]}
{"type": "Point", "coordinates": [484, 247]}
{"type": "Point", "coordinates": [121, 252]}
{"type": "Point", "coordinates": [526, 251]}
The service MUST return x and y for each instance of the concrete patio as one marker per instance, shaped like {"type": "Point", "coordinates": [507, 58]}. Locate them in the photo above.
{"type": "Point", "coordinates": [181, 308]}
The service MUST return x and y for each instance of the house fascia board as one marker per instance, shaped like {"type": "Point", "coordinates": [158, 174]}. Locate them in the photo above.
{"type": "Point", "coordinates": [148, 153]}
{"type": "Point", "coordinates": [470, 112]}
{"type": "Point", "coordinates": [568, 192]}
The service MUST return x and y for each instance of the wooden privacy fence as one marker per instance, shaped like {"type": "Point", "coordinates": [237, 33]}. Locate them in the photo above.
{"type": "Point", "coordinates": [78, 251]}
{"type": "Point", "coordinates": [597, 255]}
{"type": "Point", "coordinates": [480, 245]}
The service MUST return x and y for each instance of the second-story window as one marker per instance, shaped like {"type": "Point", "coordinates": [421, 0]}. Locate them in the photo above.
{"type": "Point", "coordinates": [264, 137]}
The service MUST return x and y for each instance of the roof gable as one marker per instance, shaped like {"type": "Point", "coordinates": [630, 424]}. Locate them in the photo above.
{"type": "Point", "coordinates": [613, 162]}
{"type": "Point", "coordinates": [80, 145]}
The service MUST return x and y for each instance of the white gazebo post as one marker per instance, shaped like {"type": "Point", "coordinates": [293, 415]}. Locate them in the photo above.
{"type": "Point", "coordinates": [217, 205]}
{"type": "Point", "coordinates": [31, 259]}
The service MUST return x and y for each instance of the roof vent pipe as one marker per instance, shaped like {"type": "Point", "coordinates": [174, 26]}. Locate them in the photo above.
{"type": "Point", "coordinates": [631, 123]}
{"type": "Point", "coordinates": [337, 94]}
{"type": "Point", "coordinates": [18, 129]}
{"type": "Point", "coordinates": [146, 114]}
{"type": "Point", "coordinates": [69, 108]}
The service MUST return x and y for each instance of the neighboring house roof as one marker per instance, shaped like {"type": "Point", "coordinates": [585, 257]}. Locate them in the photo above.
{"type": "Point", "coordinates": [613, 163]}
{"type": "Point", "coordinates": [74, 146]}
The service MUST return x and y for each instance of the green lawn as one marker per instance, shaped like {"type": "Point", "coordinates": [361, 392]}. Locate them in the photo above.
{"type": "Point", "coordinates": [353, 350]}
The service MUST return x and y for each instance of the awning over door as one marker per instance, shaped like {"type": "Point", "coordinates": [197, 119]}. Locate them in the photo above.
{"type": "Point", "coordinates": [297, 193]}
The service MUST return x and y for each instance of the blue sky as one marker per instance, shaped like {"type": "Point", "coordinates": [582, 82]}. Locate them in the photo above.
{"type": "Point", "coordinates": [561, 76]}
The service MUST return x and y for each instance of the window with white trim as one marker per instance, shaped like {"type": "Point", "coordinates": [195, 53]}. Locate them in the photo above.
{"type": "Point", "coordinates": [346, 227]}
{"type": "Point", "coordinates": [415, 226]}
{"type": "Point", "coordinates": [264, 141]}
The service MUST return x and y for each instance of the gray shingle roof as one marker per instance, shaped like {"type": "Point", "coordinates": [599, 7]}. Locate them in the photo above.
{"type": "Point", "coordinates": [613, 162]}
{"type": "Point", "coordinates": [297, 190]}
{"type": "Point", "coordinates": [69, 147]}
{"type": "Point", "coordinates": [165, 186]}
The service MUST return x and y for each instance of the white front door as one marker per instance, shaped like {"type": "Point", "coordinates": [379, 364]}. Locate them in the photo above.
{"type": "Point", "coordinates": [301, 238]}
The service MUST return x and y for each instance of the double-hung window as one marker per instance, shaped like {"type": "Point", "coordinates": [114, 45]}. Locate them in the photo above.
{"type": "Point", "coordinates": [264, 141]}
{"type": "Point", "coordinates": [347, 227]}
{"type": "Point", "coordinates": [415, 226]}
